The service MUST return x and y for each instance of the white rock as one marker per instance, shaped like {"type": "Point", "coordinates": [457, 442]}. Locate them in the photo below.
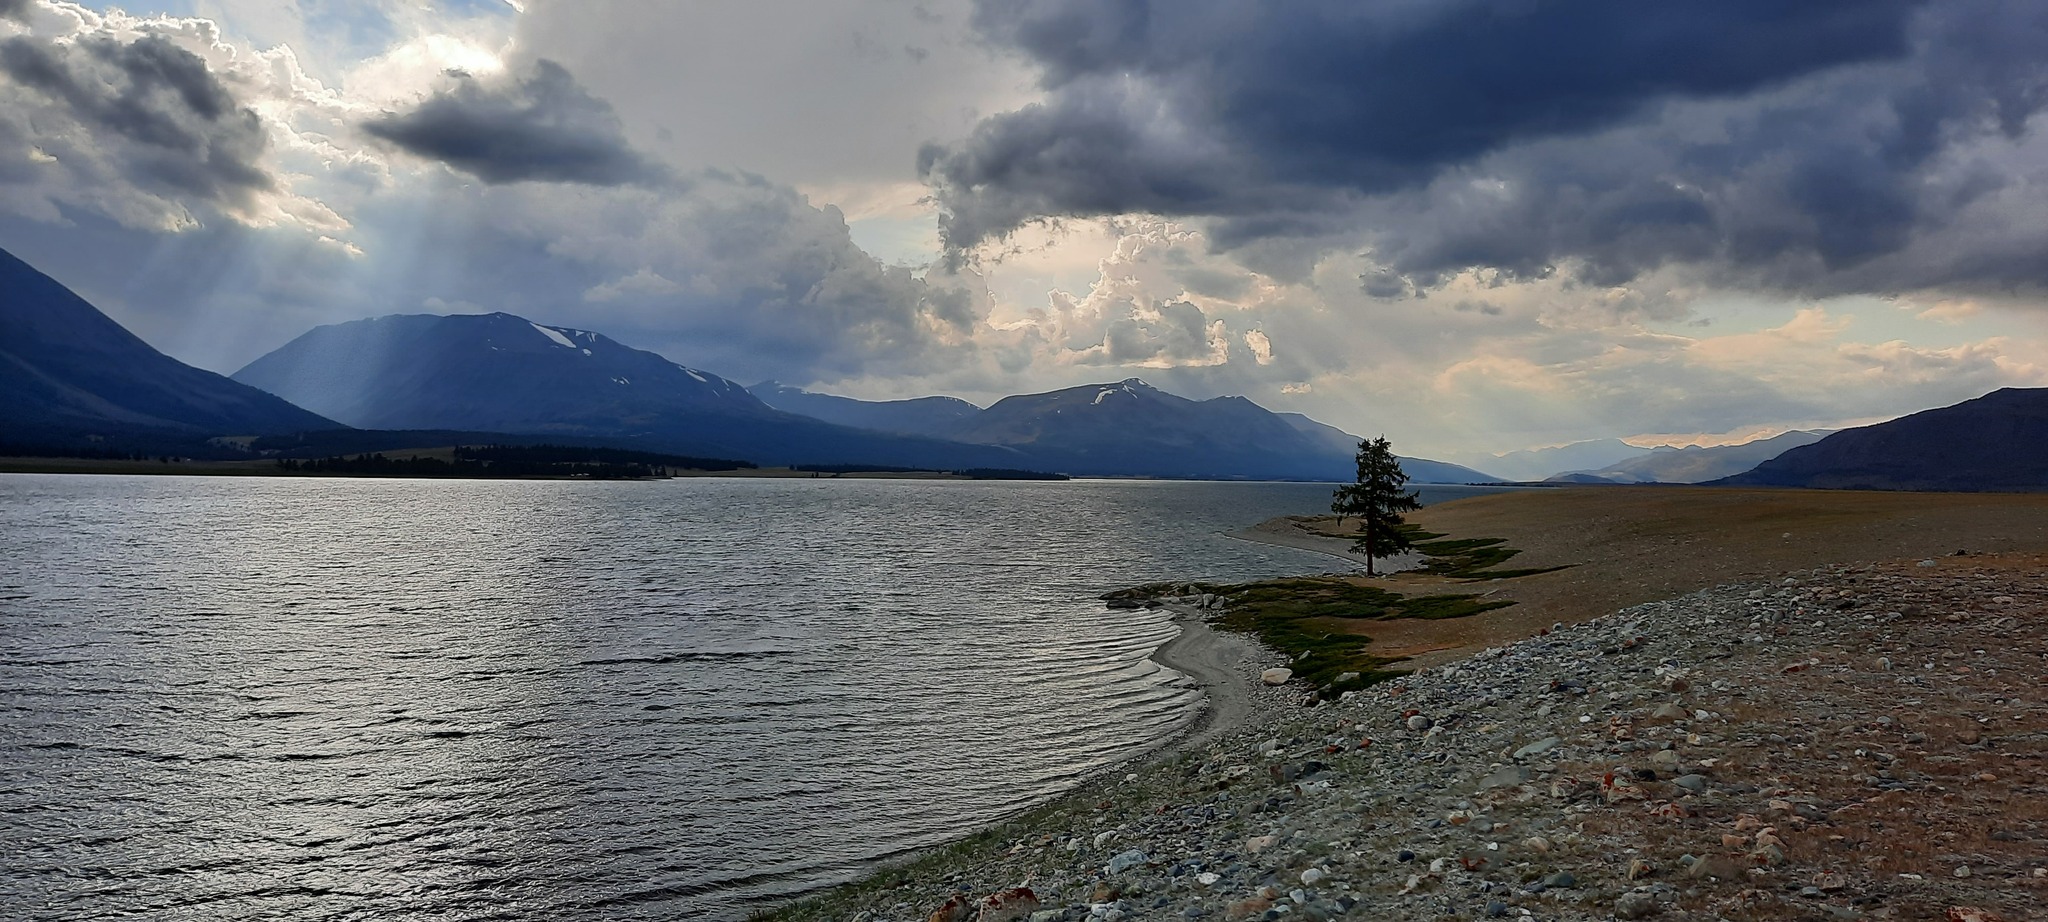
{"type": "Point", "coordinates": [1538, 748]}
{"type": "Point", "coordinates": [1313, 876]}
{"type": "Point", "coordinates": [1278, 675]}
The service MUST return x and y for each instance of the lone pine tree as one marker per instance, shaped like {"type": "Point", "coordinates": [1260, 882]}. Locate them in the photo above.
{"type": "Point", "coordinates": [1377, 500]}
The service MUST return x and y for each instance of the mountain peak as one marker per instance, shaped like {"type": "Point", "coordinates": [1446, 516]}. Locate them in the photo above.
{"type": "Point", "coordinates": [494, 371]}
{"type": "Point", "coordinates": [67, 369]}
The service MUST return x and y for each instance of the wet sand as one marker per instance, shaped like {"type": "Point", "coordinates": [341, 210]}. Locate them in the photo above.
{"type": "Point", "coordinates": [1221, 665]}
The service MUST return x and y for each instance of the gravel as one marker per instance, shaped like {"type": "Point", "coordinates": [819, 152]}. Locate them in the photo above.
{"type": "Point", "coordinates": [1841, 743]}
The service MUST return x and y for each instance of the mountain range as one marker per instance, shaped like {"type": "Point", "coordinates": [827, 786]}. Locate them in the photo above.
{"type": "Point", "coordinates": [1694, 463]}
{"type": "Point", "coordinates": [501, 373]}
{"type": "Point", "coordinates": [77, 380]}
{"type": "Point", "coordinates": [498, 372]}
{"type": "Point", "coordinates": [71, 374]}
{"type": "Point", "coordinates": [1995, 442]}
{"type": "Point", "coordinates": [930, 416]}
{"type": "Point", "coordinates": [1535, 464]}
{"type": "Point", "coordinates": [1129, 428]}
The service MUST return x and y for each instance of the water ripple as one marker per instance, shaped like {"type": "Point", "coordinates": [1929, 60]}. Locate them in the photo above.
{"type": "Point", "coordinates": [345, 699]}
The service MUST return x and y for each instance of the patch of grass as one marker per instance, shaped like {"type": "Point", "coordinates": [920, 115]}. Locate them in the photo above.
{"type": "Point", "coordinates": [1292, 616]}
{"type": "Point", "coordinates": [1455, 558]}
{"type": "Point", "coordinates": [1295, 616]}
{"type": "Point", "coordinates": [1471, 559]}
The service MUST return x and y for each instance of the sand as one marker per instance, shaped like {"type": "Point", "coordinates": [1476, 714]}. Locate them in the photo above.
{"type": "Point", "coordinates": [1221, 664]}
{"type": "Point", "coordinates": [1629, 545]}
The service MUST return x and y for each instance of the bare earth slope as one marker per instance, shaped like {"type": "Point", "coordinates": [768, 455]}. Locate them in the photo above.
{"type": "Point", "coordinates": [1628, 545]}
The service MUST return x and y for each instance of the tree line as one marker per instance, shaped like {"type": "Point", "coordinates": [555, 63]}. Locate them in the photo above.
{"type": "Point", "coordinates": [515, 461]}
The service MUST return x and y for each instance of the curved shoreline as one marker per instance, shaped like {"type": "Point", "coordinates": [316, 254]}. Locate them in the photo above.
{"type": "Point", "coordinates": [1216, 661]}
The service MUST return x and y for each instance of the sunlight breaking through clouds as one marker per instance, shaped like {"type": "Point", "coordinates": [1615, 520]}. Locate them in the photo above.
{"type": "Point", "coordinates": [1684, 247]}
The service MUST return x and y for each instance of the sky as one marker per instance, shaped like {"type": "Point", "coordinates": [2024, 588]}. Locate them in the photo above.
{"type": "Point", "coordinates": [1470, 225]}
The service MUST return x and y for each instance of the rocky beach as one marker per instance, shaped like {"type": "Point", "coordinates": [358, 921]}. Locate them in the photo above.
{"type": "Point", "coordinates": [1844, 742]}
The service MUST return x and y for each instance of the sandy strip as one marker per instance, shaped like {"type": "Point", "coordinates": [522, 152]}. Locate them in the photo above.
{"type": "Point", "coordinates": [1289, 532]}
{"type": "Point", "coordinates": [1218, 663]}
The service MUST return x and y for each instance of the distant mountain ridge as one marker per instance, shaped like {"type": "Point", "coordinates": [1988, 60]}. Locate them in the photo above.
{"type": "Point", "coordinates": [488, 372]}
{"type": "Point", "coordinates": [1995, 442]}
{"type": "Point", "coordinates": [1133, 428]}
{"type": "Point", "coordinates": [929, 416]}
{"type": "Point", "coordinates": [499, 372]}
{"type": "Point", "coordinates": [69, 372]}
{"type": "Point", "coordinates": [76, 378]}
{"type": "Point", "coordinates": [1130, 428]}
{"type": "Point", "coordinates": [1695, 463]}
{"type": "Point", "coordinates": [1542, 463]}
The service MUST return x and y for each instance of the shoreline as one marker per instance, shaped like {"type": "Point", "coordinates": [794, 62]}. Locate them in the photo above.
{"type": "Point", "coordinates": [1224, 666]}
{"type": "Point", "coordinates": [1647, 782]}
{"type": "Point", "coordinates": [1289, 532]}
{"type": "Point", "coordinates": [1378, 804]}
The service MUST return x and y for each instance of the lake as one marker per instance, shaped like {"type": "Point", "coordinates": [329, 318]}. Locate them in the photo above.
{"type": "Point", "coordinates": [310, 699]}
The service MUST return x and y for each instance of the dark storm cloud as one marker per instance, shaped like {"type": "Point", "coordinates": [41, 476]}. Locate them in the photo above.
{"type": "Point", "coordinates": [14, 9]}
{"type": "Point", "coordinates": [1867, 180]}
{"type": "Point", "coordinates": [1789, 141]}
{"type": "Point", "coordinates": [541, 125]}
{"type": "Point", "coordinates": [171, 122]}
{"type": "Point", "coordinates": [1350, 95]}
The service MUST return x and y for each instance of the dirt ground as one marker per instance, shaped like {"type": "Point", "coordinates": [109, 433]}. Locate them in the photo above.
{"type": "Point", "coordinates": [1628, 545]}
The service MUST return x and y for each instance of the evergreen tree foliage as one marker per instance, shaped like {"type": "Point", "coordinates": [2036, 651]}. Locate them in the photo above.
{"type": "Point", "coordinates": [1377, 500]}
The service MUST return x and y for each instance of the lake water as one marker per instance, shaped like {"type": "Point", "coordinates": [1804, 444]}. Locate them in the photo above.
{"type": "Point", "coordinates": [308, 699]}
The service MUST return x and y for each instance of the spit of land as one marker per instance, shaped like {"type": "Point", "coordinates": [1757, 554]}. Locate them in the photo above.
{"type": "Point", "coordinates": [1728, 705]}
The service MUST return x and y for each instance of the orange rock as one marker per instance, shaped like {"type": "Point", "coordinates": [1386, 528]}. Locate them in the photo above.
{"type": "Point", "coordinates": [1245, 909]}
{"type": "Point", "coordinates": [1008, 905]}
{"type": "Point", "coordinates": [953, 910]}
{"type": "Point", "coordinates": [1972, 914]}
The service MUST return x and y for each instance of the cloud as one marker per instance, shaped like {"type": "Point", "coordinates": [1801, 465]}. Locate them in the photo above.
{"type": "Point", "coordinates": [15, 9]}
{"type": "Point", "coordinates": [138, 124]}
{"type": "Point", "coordinates": [1812, 148]}
{"type": "Point", "coordinates": [540, 125]}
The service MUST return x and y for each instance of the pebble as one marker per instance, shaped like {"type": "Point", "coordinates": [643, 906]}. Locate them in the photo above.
{"type": "Point", "coordinates": [1537, 748]}
{"type": "Point", "coordinates": [1485, 794]}
{"type": "Point", "coordinates": [1125, 861]}
{"type": "Point", "coordinates": [1635, 904]}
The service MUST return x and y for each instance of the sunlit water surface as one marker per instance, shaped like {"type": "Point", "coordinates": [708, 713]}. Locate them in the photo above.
{"type": "Point", "coordinates": [241, 699]}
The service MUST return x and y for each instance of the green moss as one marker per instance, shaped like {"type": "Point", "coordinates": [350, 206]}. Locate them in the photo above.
{"type": "Point", "coordinates": [1470, 559]}
{"type": "Point", "coordinates": [1295, 615]}
{"type": "Point", "coordinates": [1457, 558]}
